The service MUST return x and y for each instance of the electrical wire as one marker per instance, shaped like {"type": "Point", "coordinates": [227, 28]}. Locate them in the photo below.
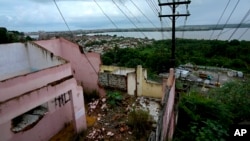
{"type": "Point", "coordinates": [245, 30]}
{"type": "Point", "coordinates": [143, 13]}
{"type": "Point", "coordinates": [150, 6]}
{"type": "Point", "coordinates": [228, 19]}
{"type": "Point", "coordinates": [243, 19]}
{"type": "Point", "coordinates": [73, 35]}
{"type": "Point", "coordinates": [243, 33]}
{"type": "Point", "coordinates": [154, 5]}
{"type": "Point", "coordinates": [220, 18]}
{"type": "Point", "coordinates": [106, 15]}
{"type": "Point", "coordinates": [137, 20]}
{"type": "Point", "coordinates": [185, 22]}
{"type": "Point", "coordinates": [62, 16]}
{"type": "Point", "coordinates": [128, 18]}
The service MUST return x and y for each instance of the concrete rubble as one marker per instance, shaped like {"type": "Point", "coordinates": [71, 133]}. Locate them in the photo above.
{"type": "Point", "coordinates": [110, 125]}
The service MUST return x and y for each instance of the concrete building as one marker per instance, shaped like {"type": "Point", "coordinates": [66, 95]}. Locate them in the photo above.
{"type": "Point", "coordinates": [39, 91]}
{"type": "Point", "coordinates": [85, 66]}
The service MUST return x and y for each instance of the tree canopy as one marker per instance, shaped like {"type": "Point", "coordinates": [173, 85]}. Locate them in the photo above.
{"type": "Point", "coordinates": [12, 36]}
{"type": "Point", "coordinates": [229, 54]}
{"type": "Point", "coordinates": [208, 117]}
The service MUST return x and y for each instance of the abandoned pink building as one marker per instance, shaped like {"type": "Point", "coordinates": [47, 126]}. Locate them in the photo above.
{"type": "Point", "coordinates": [85, 66]}
{"type": "Point", "coordinates": [41, 88]}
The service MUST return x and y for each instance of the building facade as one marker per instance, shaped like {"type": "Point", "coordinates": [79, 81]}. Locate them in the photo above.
{"type": "Point", "coordinates": [38, 93]}
{"type": "Point", "coordinates": [85, 66]}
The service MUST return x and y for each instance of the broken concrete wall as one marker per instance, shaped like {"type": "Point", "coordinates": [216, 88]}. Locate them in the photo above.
{"type": "Point", "coordinates": [151, 89]}
{"type": "Point", "coordinates": [85, 66]}
{"type": "Point", "coordinates": [115, 81]}
{"type": "Point", "coordinates": [145, 87]}
{"type": "Point", "coordinates": [51, 123]}
{"type": "Point", "coordinates": [34, 89]}
{"type": "Point", "coordinates": [131, 83]}
{"type": "Point", "coordinates": [40, 58]}
{"type": "Point", "coordinates": [135, 79]}
{"type": "Point", "coordinates": [22, 58]}
{"type": "Point", "coordinates": [13, 60]}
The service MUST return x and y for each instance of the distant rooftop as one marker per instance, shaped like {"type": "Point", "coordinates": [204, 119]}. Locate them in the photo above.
{"type": "Point", "coordinates": [23, 58]}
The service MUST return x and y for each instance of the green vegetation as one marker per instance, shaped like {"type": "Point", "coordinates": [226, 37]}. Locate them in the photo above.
{"type": "Point", "coordinates": [201, 117]}
{"type": "Point", "coordinates": [208, 117]}
{"type": "Point", "coordinates": [138, 120]}
{"type": "Point", "coordinates": [229, 54]}
{"type": "Point", "coordinates": [12, 36]}
{"type": "Point", "coordinates": [235, 95]}
{"type": "Point", "coordinates": [114, 98]}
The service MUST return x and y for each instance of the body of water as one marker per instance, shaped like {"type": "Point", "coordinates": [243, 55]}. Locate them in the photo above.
{"type": "Point", "coordinates": [240, 34]}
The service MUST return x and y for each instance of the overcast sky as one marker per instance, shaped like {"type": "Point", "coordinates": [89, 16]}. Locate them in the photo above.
{"type": "Point", "coordinates": [43, 15]}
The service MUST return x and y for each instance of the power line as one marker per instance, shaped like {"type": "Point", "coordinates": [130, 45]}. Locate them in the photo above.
{"type": "Point", "coordinates": [185, 22]}
{"type": "Point", "coordinates": [73, 35]}
{"type": "Point", "coordinates": [243, 19]}
{"type": "Point", "coordinates": [138, 21]}
{"type": "Point", "coordinates": [143, 13]}
{"type": "Point", "coordinates": [243, 33]}
{"type": "Point", "coordinates": [161, 21]}
{"type": "Point", "coordinates": [62, 17]}
{"type": "Point", "coordinates": [154, 5]}
{"type": "Point", "coordinates": [154, 10]}
{"type": "Point", "coordinates": [173, 17]}
{"type": "Point", "coordinates": [128, 17]}
{"type": "Point", "coordinates": [107, 16]}
{"type": "Point", "coordinates": [228, 18]}
{"type": "Point", "coordinates": [220, 18]}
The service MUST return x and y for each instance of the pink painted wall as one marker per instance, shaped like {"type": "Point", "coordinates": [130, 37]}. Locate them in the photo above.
{"type": "Point", "coordinates": [47, 127]}
{"type": "Point", "coordinates": [171, 126]}
{"type": "Point", "coordinates": [22, 58]}
{"type": "Point", "coordinates": [42, 131]}
{"type": "Point", "coordinates": [85, 73]}
{"type": "Point", "coordinates": [13, 87]}
{"type": "Point", "coordinates": [24, 92]}
{"type": "Point", "coordinates": [168, 118]}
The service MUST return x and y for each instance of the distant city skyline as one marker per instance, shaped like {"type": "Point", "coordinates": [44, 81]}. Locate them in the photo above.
{"type": "Point", "coordinates": [43, 15]}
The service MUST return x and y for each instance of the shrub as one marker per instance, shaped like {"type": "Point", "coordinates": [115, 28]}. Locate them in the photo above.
{"type": "Point", "coordinates": [138, 120]}
{"type": "Point", "coordinates": [114, 98]}
{"type": "Point", "coordinates": [235, 95]}
{"type": "Point", "coordinates": [201, 118]}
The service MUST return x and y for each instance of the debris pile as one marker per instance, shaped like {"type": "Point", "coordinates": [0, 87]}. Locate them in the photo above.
{"type": "Point", "coordinates": [98, 102]}
{"type": "Point", "coordinates": [112, 122]}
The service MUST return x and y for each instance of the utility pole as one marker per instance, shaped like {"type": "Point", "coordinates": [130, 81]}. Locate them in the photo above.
{"type": "Point", "coordinates": [174, 4]}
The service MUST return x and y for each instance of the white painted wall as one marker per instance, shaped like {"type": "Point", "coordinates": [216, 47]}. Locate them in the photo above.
{"type": "Point", "coordinates": [18, 59]}
{"type": "Point", "coordinates": [40, 58]}
{"type": "Point", "coordinates": [123, 71]}
{"type": "Point", "coordinates": [131, 83]}
{"type": "Point", "coordinates": [13, 60]}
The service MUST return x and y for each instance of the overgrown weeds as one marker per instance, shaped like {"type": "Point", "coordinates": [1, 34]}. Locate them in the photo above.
{"type": "Point", "coordinates": [114, 98]}
{"type": "Point", "coordinates": [139, 121]}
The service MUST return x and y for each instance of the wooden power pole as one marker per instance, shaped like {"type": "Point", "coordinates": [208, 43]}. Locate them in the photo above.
{"type": "Point", "coordinates": [174, 4]}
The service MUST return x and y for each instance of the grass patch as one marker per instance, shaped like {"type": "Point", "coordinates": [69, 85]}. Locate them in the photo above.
{"type": "Point", "coordinates": [139, 121]}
